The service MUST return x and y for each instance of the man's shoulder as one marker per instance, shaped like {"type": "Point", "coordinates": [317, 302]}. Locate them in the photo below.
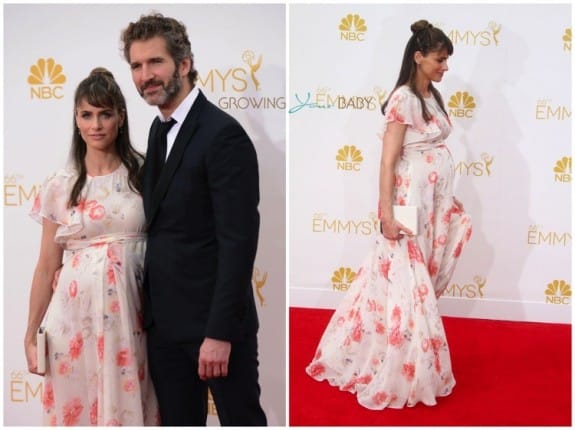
{"type": "Point", "coordinates": [211, 109]}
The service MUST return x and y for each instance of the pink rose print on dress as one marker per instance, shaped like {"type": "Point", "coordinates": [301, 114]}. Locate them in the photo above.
{"type": "Point", "coordinates": [432, 177]}
{"type": "Point", "coordinates": [111, 276]}
{"type": "Point", "coordinates": [394, 116]}
{"type": "Point", "coordinates": [380, 397]}
{"type": "Point", "coordinates": [379, 328]}
{"type": "Point", "coordinates": [408, 371]}
{"type": "Point", "coordinates": [395, 338]}
{"type": "Point", "coordinates": [64, 368]}
{"type": "Point", "coordinates": [73, 289]}
{"type": "Point", "coordinates": [94, 413]}
{"type": "Point", "coordinates": [468, 234]}
{"type": "Point", "coordinates": [457, 251]}
{"type": "Point", "coordinates": [365, 379]}
{"type": "Point", "coordinates": [48, 396]}
{"type": "Point", "coordinates": [357, 332]}
{"type": "Point", "coordinates": [316, 369]}
{"type": "Point", "coordinates": [100, 348]}
{"type": "Point", "coordinates": [414, 252]}
{"type": "Point", "coordinates": [422, 292]}
{"type": "Point", "coordinates": [76, 260]}
{"type": "Point", "coordinates": [384, 268]}
{"type": "Point", "coordinates": [76, 345]}
{"type": "Point", "coordinates": [115, 306]}
{"type": "Point", "coordinates": [113, 255]}
{"type": "Point", "coordinates": [129, 385]}
{"type": "Point", "coordinates": [432, 268]}
{"type": "Point", "coordinates": [123, 358]}
{"type": "Point", "coordinates": [97, 213]}
{"type": "Point", "coordinates": [71, 412]}
{"type": "Point", "coordinates": [37, 204]}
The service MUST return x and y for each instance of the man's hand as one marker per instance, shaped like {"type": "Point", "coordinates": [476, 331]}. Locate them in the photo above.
{"type": "Point", "coordinates": [214, 358]}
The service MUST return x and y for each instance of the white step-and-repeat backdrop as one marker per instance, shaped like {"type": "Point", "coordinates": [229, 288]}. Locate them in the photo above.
{"type": "Point", "coordinates": [240, 55]}
{"type": "Point", "coordinates": [508, 93]}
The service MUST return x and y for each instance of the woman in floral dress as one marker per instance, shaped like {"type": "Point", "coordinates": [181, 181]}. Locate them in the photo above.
{"type": "Point", "coordinates": [93, 245]}
{"type": "Point", "coordinates": [386, 342]}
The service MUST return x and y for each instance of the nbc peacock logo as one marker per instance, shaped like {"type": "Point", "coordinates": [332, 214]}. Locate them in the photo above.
{"type": "Point", "coordinates": [46, 79]}
{"type": "Point", "coordinates": [349, 158]}
{"type": "Point", "coordinates": [461, 105]}
{"type": "Point", "coordinates": [567, 40]}
{"type": "Point", "coordinates": [352, 28]}
{"type": "Point", "coordinates": [562, 170]}
{"type": "Point", "coordinates": [342, 278]}
{"type": "Point", "coordinates": [558, 292]}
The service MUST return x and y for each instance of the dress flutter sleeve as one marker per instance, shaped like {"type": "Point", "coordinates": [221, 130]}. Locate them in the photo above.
{"type": "Point", "coordinates": [402, 107]}
{"type": "Point", "coordinates": [52, 200]}
{"type": "Point", "coordinates": [51, 203]}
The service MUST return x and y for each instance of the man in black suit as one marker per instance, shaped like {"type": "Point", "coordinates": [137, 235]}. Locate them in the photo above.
{"type": "Point", "coordinates": [203, 223]}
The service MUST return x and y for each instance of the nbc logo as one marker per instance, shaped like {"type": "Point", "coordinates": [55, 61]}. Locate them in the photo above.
{"type": "Point", "coordinates": [352, 27]}
{"type": "Point", "coordinates": [567, 40]}
{"type": "Point", "coordinates": [342, 278]}
{"type": "Point", "coordinates": [46, 78]}
{"type": "Point", "coordinates": [348, 158]}
{"type": "Point", "coordinates": [461, 105]}
{"type": "Point", "coordinates": [562, 170]}
{"type": "Point", "coordinates": [558, 293]}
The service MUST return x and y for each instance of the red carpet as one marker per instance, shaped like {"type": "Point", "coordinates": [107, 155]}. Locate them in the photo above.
{"type": "Point", "coordinates": [507, 373]}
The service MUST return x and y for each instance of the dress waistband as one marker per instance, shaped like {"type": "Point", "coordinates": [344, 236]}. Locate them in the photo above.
{"type": "Point", "coordinates": [425, 146]}
{"type": "Point", "coordinates": [103, 240]}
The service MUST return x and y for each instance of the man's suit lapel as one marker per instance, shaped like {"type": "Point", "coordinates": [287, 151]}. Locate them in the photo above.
{"type": "Point", "coordinates": [184, 136]}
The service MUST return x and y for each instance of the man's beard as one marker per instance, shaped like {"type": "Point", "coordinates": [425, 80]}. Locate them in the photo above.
{"type": "Point", "coordinates": [166, 94]}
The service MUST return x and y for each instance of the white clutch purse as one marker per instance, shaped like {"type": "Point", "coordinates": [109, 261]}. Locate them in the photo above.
{"type": "Point", "coordinates": [41, 350]}
{"type": "Point", "coordinates": [406, 215]}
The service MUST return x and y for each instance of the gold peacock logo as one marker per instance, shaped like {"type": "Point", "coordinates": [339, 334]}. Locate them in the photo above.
{"type": "Point", "coordinates": [46, 72]}
{"type": "Point", "coordinates": [567, 40]}
{"type": "Point", "coordinates": [562, 170]}
{"type": "Point", "coordinates": [352, 22]}
{"type": "Point", "coordinates": [461, 100]}
{"type": "Point", "coordinates": [342, 278]}
{"type": "Point", "coordinates": [558, 292]}
{"type": "Point", "coordinates": [563, 165]}
{"type": "Point", "coordinates": [349, 153]}
{"type": "Point", "coordinates": [348, 158]}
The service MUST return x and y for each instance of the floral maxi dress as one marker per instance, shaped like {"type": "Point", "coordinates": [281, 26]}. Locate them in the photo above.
{"type": "Point", "coordinates": [386, 342]}
{"type": "Point", "coordinates": [97, 370]}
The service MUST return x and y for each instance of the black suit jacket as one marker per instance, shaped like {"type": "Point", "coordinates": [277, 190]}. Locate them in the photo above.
{"type": "Point", "coordinates": [203, 226]}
